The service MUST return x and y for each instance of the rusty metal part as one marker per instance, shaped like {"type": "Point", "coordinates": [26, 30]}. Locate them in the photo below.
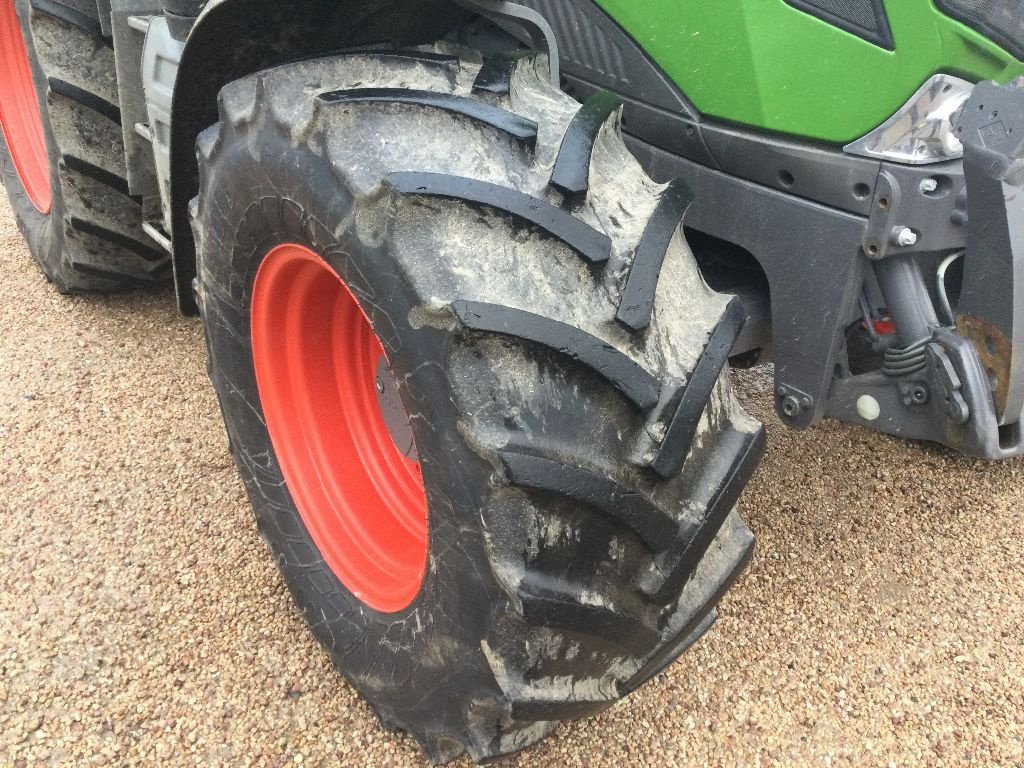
{"type": "Point", "coordinates": [995, 352]}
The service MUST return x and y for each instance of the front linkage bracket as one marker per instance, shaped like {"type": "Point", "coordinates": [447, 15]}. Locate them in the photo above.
{"type": "Point", "coordinates": [811, 255]}
{"type": "Point", "coordinates": [966, 387]}
{"type": "Point", "coordinates": [946, 401]}
{"type": "Point", "coordinates": [991, 307]}
{"type": "Point", "coordinates": [917, 209]}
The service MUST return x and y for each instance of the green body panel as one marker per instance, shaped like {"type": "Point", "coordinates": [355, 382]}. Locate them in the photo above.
{"type": "Point", "coordinates": [768, 65]}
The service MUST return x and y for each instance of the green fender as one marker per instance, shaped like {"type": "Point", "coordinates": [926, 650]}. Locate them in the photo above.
{"type": "Point", "coordinates": [768, 65]}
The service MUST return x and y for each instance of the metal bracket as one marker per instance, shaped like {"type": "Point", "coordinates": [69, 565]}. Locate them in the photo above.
{"type": "Point", "coordinates": [810, 254]}
{"type": "Point", "coordinates": [916, 209]}
{"type": "Point", "coordinates": [129, 24]}
{"type": "Point", "coordinates": [991, 307]}
{"type": "Point", "coordinates": [877, 235]}
{"type": "Point", "coordinates": [791, 403]}
{"type": "Point", "coordinates": [915, 394]}
{"type": "Point", "coordinates": [948, 402]}
{"type": "Point", "coordinates": [536, 26]}
{"type": "Point", "coordinates": [945, 376]}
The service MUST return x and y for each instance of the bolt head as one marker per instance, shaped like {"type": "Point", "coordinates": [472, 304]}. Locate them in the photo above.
{"type": "Point", "coordinates": [906, 237]}
{"type": "Point", "coordinates": [791, 406]}
{"type": "Point", "coordinates": [929, 185]}
{"type": "Point", "coordinates": [380, 385]}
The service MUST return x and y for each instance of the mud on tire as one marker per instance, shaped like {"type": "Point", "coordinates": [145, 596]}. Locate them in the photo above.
{"type": "Point", "coordinates": [560, 354]}
{"type": "Point", "coordinates": [91, 239]}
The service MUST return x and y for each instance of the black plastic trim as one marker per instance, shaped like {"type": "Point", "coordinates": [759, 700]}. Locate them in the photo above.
{"type": "Point", "coordinates": [804, 169]}
{"type": "Point", "coordinates": [592, 46]}
{"type": "Point", "coordinates": [640, 386]}
{"type": "Point", "coordinates": [595, 247]}
{"type": "Point", "coordinates": [881, 35]}
{"type": "Point", "coordinates": [956, 10]}
{"type": "Point", "coordinates": [507, 122]}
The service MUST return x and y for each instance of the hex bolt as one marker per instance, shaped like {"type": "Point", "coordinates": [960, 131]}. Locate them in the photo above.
{"type": "Point", "coordinates": [928, 185]}
{"type": "Point", "coordinates": [906, 237]}
{"type": "Point", "coordinates": [380, 385]}
{"type": "Point", "coordinates": [791, 406]}
{"type": "Point", "coordinates": [919, 395]}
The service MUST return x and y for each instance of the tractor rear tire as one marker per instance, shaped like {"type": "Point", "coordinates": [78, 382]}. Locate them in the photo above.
{"type": "Point", "coordinates": [555, 350]}
{"type": "Point", "coordinates": [82, 225]}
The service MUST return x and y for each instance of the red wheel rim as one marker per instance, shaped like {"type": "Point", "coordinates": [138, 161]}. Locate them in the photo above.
{"type": "Point", "coordinates": [20, 121]}
{"type": "Point", "coordinates": [320, 371]}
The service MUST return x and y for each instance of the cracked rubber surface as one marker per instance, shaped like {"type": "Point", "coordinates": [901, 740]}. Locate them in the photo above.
{"type": "Point", "coordinates": [92, 238]}
{"type": "Point", "coordinates": [540, 603]}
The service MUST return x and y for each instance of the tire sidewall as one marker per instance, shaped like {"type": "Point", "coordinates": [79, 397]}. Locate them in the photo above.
{"type": "Point", "coordinates": [42, 231]}
{"type": "Point", "coordinates": [290, 195]}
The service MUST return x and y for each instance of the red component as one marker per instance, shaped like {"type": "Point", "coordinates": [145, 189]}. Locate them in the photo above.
{"type": "Point", "coordinates": [884, 327]}
{"type": "Point", "coordinates": [317, 361]}
{"type": "Point", "coordinates": [20, 121]}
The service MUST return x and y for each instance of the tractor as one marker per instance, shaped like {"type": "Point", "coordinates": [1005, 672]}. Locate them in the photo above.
{"type": "Point", "coordinates": [473, 275]}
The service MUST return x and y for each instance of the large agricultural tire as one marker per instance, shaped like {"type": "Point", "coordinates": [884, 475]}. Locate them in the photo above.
{"type": "Point", "coordinates": [580, 455]}
{"type": "Point", "coordinates": [62, 151]}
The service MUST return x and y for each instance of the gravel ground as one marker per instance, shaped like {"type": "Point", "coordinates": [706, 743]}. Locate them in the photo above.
{"type": "Point", "coordinates": [142, 622]}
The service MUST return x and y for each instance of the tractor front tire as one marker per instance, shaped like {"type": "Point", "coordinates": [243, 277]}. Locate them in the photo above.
{"type": "Point", "coordinates": [427, 241]}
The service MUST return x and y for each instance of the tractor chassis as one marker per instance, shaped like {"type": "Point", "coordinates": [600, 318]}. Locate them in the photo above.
{"type": "Point", "coordinates": [962, 387]}
{"type": "Point", "coordinates": [824, 229]}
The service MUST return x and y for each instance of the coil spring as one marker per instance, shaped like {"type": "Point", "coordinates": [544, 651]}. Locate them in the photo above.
{"type": "Point", "coordinates": [903, 361]}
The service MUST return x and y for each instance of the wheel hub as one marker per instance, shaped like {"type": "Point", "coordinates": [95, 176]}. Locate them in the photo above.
{"type": "Point", "coordinates": [20, 120]}
{"type": "Point", "coordinates": [395, 418]}
{"type": "Point", "coordinates": [338, 427]}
